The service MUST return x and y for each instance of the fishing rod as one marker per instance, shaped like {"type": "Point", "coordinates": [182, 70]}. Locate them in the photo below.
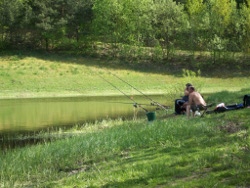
{"type": "Point", "coordinates": [129, 103]}
{"type": "Point", "coordinates": [154, 102]}
{"type": "Point", "coordinates": [135, 103]}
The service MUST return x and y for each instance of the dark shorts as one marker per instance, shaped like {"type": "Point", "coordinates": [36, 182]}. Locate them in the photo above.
{"type": "Point", "coordinates": [197, 107]}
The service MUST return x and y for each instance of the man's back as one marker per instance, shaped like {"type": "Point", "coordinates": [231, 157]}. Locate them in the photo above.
{"type": "Point", "coordinates": [195, 101]}
{"type": "Point", "coordinates": [195, 98]}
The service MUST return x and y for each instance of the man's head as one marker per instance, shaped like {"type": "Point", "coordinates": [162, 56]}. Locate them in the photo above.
{"type": "Point", "coordinates": [191, 89]}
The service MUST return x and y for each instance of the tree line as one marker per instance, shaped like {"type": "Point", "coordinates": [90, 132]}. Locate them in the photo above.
{"type": "Point", "coordinates": [126, 26]}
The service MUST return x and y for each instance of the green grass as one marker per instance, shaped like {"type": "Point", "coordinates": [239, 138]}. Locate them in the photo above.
{"type": "Point", "coordinates": [213, 151]}
{"type": "Point", "coordinates": [47, 74]}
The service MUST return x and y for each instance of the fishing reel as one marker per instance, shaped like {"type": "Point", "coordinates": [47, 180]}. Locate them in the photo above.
{"type": "Point", "coordinates": [135, 105]}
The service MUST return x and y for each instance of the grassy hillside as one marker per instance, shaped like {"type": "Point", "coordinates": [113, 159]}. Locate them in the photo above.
{"type": "Point", "coordinates": [33, 74]}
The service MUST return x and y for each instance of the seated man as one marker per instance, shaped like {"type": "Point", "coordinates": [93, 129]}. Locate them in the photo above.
{"type": "Point", "coordinates": [195, 101]}
{"type": "Point", "coordinates": [180, 104]}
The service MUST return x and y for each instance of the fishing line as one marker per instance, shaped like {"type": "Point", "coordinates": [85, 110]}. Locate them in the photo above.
{"type": "Point", "coordinates": [135, 103]}
{"type": "Point", "coordinates": [154, 102]}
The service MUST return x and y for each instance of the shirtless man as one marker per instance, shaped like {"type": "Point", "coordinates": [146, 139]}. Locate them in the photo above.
{"type": "Point", "coordinates": [195, 101]}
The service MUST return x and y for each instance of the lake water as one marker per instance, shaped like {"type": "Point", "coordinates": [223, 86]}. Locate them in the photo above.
{"type": "Point", "coordinates": [35, 114]}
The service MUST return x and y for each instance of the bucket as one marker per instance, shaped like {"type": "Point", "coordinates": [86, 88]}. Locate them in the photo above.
{"type": "Point", "coordinates": [151, 116]}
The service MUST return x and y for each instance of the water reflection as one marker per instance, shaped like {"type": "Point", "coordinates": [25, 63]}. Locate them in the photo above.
{"type": "Point", "coordinates": [35, 114]}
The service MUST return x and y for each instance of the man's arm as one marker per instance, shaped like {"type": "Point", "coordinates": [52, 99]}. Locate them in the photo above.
{"type": "Point", "coordinates": [188, 105]}
{"type": "Point", "coordinates": [190, 99]}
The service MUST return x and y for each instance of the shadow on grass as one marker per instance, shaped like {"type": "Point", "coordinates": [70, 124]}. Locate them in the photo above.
{"type": "Point", "coordinates": [173, 66]}
{"type": "Point", "coordinates": [188, 171]}
{"type": "Point", "coordinates": [205, 161]}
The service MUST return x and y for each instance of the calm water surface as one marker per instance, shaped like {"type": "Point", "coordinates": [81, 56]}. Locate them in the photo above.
{"type": "Point", "coordinates": [35, 114]}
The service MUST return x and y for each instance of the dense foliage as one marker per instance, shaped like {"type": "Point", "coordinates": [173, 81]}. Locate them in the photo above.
{"type": "Point", "coordinates": [165, 25]}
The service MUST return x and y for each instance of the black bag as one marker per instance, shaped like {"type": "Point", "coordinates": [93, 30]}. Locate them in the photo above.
{"type": "Point", "coordinates": [246, 100]}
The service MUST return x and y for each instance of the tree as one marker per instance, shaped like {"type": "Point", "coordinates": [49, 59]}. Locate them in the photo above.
{"type": "Point", "coordinates": [78, 14]}
{"type": "Point", "coordinates": [127, 21]}
{"type": "Point", "coordinates": [10, 14]}
{"type": "Point", "coordinates": [245, 21]}
{"type": "Point", "coordinates": [219, 15]}
{"type": "Point", "coordinates": [168, 22]}
{"type": "Point", "coordinates": [45, 22]}
{"type": "Point", "coordinates": [196, 14]}
{"type": "Point", "coordinates": [52, 19]}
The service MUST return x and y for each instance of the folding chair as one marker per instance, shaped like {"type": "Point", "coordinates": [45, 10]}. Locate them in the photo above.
{"type": "Point", "coordinates": [205, 108]}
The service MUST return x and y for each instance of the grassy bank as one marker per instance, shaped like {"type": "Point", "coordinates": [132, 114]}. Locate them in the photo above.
{"type": "Point", "coordinates": [213, 151]}
{"type": "Point", "coordinates": [25, 74]}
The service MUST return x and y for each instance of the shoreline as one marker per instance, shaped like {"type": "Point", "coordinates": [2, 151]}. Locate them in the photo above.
{"type": "Point", "coordinates": [63, 94]}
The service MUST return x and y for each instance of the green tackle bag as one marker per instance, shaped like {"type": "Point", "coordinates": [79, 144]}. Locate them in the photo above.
{"type": "Point", "coordinates": [246, 101]}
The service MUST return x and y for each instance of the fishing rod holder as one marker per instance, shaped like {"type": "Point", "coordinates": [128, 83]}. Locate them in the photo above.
{"type": "Point", "coordinates": [135, 105]}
